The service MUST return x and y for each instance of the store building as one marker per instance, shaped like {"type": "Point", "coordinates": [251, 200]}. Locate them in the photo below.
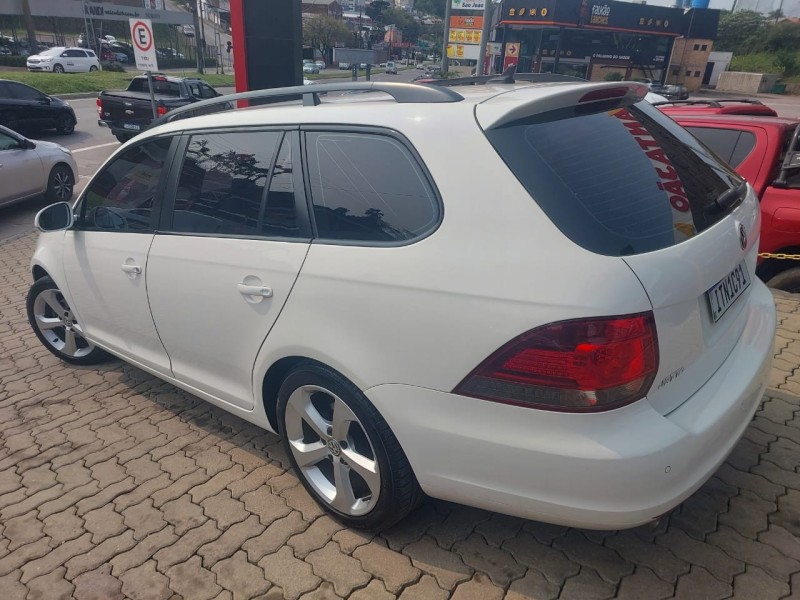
{"type": "Point", "coordinates": [592, 38]}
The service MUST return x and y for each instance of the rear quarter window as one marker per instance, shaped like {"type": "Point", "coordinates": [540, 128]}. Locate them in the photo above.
{"type": "Point", "coordinates": [731, 145]}
{"type": "Point", "coordinates": [621, 182]}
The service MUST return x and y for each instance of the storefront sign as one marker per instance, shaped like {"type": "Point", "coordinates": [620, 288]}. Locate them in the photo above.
{"type": "Point", "coordinates": [465, 36]}
{"type": "Point", "coordinates": [467, 4]}
{"type": "Point", "coordinates": [466, 22]}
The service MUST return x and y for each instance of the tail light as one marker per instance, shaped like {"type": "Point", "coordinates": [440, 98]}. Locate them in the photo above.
{"type": "Point", "coordinates": [586, 365]}
{"type": "Point", "coordinates": [161, 110]}
{"type": "Point", "coordinates": [99, 108]}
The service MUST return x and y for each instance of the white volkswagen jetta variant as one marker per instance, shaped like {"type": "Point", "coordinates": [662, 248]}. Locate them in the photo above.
{"type": "Point", "coordinates": [535, 298]}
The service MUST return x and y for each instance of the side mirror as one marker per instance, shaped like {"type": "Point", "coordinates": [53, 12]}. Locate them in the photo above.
{"type": "Point", "coordinates": [28, 144]}
{"type": "Point", "coordinates": [56, 217]}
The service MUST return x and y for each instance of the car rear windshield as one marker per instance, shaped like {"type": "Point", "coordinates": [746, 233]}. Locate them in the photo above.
{"type": "Point", "coordinates": [160, 86]}
{"type": "Point", "coordinates": [622, 182]}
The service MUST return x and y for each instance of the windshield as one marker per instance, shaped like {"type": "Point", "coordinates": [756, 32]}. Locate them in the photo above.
{"type": "Point", "coordinates": [52, 52]}
{"type": "Point", "coordinates": [621, 182]}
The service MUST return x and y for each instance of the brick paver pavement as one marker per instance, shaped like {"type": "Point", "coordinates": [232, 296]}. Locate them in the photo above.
{"type": "Point", "coordinates": [114, 484]}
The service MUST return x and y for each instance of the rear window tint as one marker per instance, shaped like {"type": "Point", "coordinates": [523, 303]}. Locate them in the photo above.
{"type": "Point", "coordinates": [731, 145]}
{"type": "Point", "coordinates": [160, 86]}
{"type": "Point", "coordinates": [621, 182]}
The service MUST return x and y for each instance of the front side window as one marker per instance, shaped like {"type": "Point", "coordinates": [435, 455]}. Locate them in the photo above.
{"type": "Point", "coordinates": [621, 182]}
{"type": "Point", "coordinates": [368, 188]}
{"type": "Point", "coordinates": [23, 92]}
{"type": "Point", "coordinates": [232, 184]}
{"type": "Point", "coordinates": [122, 197]}
{"type": "Point", "coordinates": [7, 142]}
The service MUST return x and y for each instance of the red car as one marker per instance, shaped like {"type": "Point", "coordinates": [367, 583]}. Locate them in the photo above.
{"type": "Point", "coordinates": [720, 106]}
{"type": "Point", "coordinates": [765, 150]}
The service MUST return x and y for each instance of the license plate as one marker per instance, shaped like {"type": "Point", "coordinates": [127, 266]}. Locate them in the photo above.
{"type": "Point", "coordinates": [134, 126]}
{"type": "Point", "coordinates": [727, 290]}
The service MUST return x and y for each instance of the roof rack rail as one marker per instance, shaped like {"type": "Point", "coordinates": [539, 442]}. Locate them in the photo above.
{"type": "Point", "coordinates": [402, 93]}
{"type": "Point", "coordinates": [715, 102]}
{"type": "Point", "coordinates": [508, 76]}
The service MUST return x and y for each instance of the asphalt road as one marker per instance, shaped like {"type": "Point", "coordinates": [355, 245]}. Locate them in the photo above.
{"type": "Point", "coordinates": [92, 144]}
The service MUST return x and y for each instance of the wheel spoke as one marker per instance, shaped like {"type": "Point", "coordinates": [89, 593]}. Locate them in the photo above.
{"type": "Point", "coordinates": [48, 323]}
{"type": "Point", "coordinates": [342, 417]}
{"type": "Point", "coordinates": [308, 455]}
{"type": "Point", "coordinates": [366, 468]}
{"type": "Point", "coordinates": [70, 342]}
{"type": "Point", "coordinates": [301, 410]}
{"type": "Point", "coordinates": [50, 299]}
{"type": "Point", "coordinates": [345, 498]}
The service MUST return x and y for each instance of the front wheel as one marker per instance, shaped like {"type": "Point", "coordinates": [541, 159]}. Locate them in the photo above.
{"type": "Point", "coordinates": [92, 69]}
{"type": "Point", "coordinates": [55, 325]}
{"type": "Point", "coordinates": [788, 281]}
{"type": "Point", "coordinates": [343, 450]}
{"type": "Point", "coordinates": [60, 184]}
{"type": "Point", "coordinates": [65, 124]}
{"type": "Point", "coordinates": [58, 69]}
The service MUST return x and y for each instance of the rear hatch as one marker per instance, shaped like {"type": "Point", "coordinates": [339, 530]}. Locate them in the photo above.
{"type": "Point", "coordinates": [619, 178]}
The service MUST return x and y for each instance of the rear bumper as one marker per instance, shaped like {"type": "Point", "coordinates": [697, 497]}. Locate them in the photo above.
{"type": "Point", "coordinates": [610, 470]}
{"type": "Point", "coordinates": [117, 127]}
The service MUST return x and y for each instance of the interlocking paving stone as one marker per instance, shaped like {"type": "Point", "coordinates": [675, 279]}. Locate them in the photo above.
{"type": "Point", "coordinates": [114, 484]}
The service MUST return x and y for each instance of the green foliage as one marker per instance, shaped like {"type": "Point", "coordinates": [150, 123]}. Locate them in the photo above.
{"type": "Point", "coordinates": [430, 7]}
{"type": "Point", "coordinates": [762, 62]}
{"type": "Point", "coordinates": [13, 61]}
{"type": "Point", "coordinates": [375, 11]}
{"type": "Point", "coordinates": [739, 32]}
{"type": "Point", "coordinates": [613, 76]}
{"type": "Point", "coordinates": [323, 33]}
{"type": "Point", "coordinates": [403, 21]}
{"type": "Point", "coordinates": [113, 67]}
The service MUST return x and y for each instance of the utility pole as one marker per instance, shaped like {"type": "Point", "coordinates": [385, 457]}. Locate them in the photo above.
{"type": "Point", "coordinates": [447, 11]}
{"type": "Point", "coordinates": [197, 33]}
{"type": "Point", "coordinates": [488, 14]}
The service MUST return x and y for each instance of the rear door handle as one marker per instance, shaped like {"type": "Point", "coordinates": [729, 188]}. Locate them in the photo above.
{"type": "Point", "coordinates": [254, 290]}
{"type": "Point", "coordinates": [134, 269]}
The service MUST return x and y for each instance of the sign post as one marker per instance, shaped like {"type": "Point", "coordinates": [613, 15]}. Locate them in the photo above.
{"type": "Point", "coordinates": [145, 52]}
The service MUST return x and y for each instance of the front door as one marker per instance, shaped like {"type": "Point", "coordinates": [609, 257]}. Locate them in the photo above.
{"type": "Point", "coordinates": [231, 250]}
{"type": "Point", "coordinates": [21, 170]}
{"type": "Point", "coordinates": [105, 257]}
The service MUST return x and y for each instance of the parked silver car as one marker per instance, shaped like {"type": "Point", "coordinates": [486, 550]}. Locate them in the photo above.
{"type": "Point", "coordinates": [31, 168]}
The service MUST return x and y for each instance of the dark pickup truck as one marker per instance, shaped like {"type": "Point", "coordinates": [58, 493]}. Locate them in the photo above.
{"type": "Point", "coordinates": [130, 112]}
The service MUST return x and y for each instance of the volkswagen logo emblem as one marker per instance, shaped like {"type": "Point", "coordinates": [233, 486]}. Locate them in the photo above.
{"type": "Point", "coordinates": [742, 237]}
{"type": "Point", "coordinates": [334, 447]}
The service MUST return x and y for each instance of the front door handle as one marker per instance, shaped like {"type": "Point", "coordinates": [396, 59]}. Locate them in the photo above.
{"type": "Point", "coordinates": [254, 290]}
{"type": "Point", "coordinates": [132, 269]}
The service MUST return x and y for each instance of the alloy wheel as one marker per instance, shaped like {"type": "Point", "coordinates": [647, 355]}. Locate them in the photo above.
{"type": "Point", "coordinates": [58, 326]}
{"type": "Point", "coordinates": [62, 185]}
{"type": "Point", "coordinates": [332, 450]}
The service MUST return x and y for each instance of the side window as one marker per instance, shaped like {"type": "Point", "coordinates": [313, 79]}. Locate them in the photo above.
{"type": "Point", "coordinates": [194, 90]}
{"type": "Point", "coordinates": [5, 91]}
{"type": "Point", "coordinates": [7, 142]}
{"type": "Point", "coordinates": [731, 145]}
{"type": "Point", "coordinates": [368, 188]}
{"type": "Point", "coordinates": [122, 197]}
{"type": "Point", "coordinates": [90, 54]}
{"type": "Point", "coordinates": [223, 183]}
{"type": "Point", "coordinates": [207, 91]}
{"type": "Point", "coordinates": [23, 92]}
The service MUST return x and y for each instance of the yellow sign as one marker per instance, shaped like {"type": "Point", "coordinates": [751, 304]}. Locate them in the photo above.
{"type": "Point", "coordinates": [512, 49]}
{"type": "Point", "coordinates": [465, 36]}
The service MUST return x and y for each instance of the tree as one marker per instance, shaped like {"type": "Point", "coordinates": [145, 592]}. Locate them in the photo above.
{"type": "Point", "coordinates": [323, 32]}
{"type": "Point", "coordinates": [784, 36]}
{"type": "Point", "coordinates": [430, 7]}
{"type": "Point", "coordinates": [375, 11]}
{"type": "Point", "coordinates": [404, 22]}
{"type": "Point", "coordinates": [739, 32]}
{"type": "Point", "coordinates": [26, 11]}
{"type": "Point", "coordinates": [776, 15]}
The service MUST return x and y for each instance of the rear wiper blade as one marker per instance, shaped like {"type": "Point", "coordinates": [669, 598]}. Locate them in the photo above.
{"type": "Point", "coordinates": [728, 198]}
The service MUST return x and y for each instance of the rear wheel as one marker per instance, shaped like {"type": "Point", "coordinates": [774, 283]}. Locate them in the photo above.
{"type": "Point", "coordinates": [65, 124]}
{"type": "Point", "coordinates": [60, 184]}
{"type": "Point", "coordinates": [343, 450]}
{"type": "Point", "coordinates": [58, 69]}
{"type": "Point", "coordinates": [788, 281]}
{"type": "Point", "coordinates": [56, 327]}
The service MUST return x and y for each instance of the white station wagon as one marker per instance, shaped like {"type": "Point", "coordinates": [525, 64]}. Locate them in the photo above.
{"type": "Point", "coordinates": [536, 298]}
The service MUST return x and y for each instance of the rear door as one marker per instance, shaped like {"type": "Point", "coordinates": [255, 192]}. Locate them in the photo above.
{"type": "Point", "coordinates": [623, 180]}
{"type": "Point", "coordinates": [228, 256]}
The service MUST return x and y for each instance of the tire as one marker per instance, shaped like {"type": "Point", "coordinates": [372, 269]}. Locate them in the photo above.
{"type": "Point", "coordinates": [788, 281]}
{"type": "Point", "coordinates": [92, 69]}
{"type": "Point", "coordinates": [55, 326]}
{"type": "Point", "coordinates": [377, 493]}
{"type": "Point", "coordinates": [60, 184]}
{"type": "Point", "coordinates": [58, 69]}
{"type": "Point", "coordinates": [65, 125]}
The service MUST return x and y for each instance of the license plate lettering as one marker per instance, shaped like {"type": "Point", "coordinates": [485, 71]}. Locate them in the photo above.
{"type": "Point", "coordinates": [726, 291]}
{"type": "Point", "coordinates": [134, 126]}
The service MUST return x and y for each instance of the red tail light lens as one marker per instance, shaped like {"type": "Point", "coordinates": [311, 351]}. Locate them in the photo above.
{"type": "Point", "coordinates": [99, 107]}
{"type": "Point", "coordinates": [161, 110]}
{"type": "Point", "coordinates": [587, 365]}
